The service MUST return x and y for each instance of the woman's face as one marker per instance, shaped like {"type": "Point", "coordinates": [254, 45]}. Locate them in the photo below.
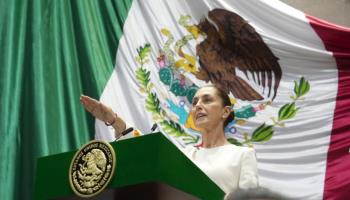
{"type": "Point", "coordinates": [207, 109]}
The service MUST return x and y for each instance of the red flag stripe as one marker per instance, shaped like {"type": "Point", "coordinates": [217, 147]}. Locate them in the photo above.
{"type": "Point", "coordinates": [337, 178]}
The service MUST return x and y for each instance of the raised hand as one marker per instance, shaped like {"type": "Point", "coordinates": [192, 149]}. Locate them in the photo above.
{"type": "Point", "coordinates": [104, 113]}
{"type": "Point", "coordinates": [98, 109]}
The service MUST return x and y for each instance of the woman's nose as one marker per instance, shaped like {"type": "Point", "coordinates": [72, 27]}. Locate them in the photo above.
{"type": "Point", "coordinates": [197, 106]}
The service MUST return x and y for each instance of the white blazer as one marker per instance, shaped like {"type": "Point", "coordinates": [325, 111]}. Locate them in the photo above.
{"type": "Point", "coordinates": [229, 166]}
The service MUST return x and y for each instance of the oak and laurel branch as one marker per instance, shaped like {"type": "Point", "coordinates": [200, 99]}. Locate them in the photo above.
{"type": "Point", "coordinates": [289, 110]}
{"type": "Point", "coordinates": [152, 101]}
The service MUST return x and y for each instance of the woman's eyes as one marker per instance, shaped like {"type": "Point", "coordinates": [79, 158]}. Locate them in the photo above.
{"type": "Point", "coordinates": [207, 100]}
{"type": "Point", "coordinates": [204, 100]}
{"type": "Point", "coordinates": [194, 102]}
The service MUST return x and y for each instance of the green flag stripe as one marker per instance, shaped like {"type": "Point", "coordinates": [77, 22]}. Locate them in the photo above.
{"type": "Point", "coordinates": [52, 51]}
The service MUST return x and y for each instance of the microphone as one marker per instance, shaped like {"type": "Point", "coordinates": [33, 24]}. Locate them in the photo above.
{"type": "Point", "coordinates": [154, 127]}
{"type": "Point", "coordinates": [126, 131]}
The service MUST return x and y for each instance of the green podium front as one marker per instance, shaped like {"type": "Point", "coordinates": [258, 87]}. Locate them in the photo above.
{"type": "Point", "coordinates": [149, 166]}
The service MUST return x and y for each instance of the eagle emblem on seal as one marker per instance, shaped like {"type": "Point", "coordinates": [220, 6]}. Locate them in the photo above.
{"type": "Point", "coordinates": [92, 168]}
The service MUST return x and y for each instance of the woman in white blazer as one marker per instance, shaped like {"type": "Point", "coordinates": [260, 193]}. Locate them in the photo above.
{"type": "Point", "coordinates": [229, 166]}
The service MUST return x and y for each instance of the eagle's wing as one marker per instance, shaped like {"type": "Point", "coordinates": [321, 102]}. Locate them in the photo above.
{"type": "Point", "coordinates": [217, 69]}
{"type": "Point", "coordinates": [248, 50]}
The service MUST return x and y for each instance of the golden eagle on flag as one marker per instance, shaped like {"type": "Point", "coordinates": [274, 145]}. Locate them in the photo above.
{"type": "Point", "coordinates": [232, 43]}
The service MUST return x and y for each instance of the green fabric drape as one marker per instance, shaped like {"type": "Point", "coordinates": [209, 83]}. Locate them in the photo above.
{"type": "Point", "coordinates": [51, 52]}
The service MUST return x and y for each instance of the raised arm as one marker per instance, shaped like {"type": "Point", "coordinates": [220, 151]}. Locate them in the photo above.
{"type": "Point", "coordinates": [103, 113]}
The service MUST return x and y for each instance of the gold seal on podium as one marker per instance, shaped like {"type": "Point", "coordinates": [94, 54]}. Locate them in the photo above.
{"type": "Point", "coordinates": [91, 168]}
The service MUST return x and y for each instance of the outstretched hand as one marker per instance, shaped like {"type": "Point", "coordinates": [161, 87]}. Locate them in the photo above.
{"type": "Point", "coordinates": [98, 109]}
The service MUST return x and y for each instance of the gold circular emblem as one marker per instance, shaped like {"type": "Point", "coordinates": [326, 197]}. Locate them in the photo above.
{"type": "Point", "coordinates": [92, 168]}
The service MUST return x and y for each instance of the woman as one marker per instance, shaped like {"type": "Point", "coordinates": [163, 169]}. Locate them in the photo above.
{"type": "Point", "coordinates": [229, 166]}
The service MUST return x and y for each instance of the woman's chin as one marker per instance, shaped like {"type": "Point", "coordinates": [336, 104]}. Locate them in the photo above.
{"type": "Point", "coordinates": [200, 124]}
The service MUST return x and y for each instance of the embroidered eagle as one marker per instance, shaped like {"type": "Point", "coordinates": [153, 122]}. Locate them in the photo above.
{"type": "Point", "coordinates": [232, 43]}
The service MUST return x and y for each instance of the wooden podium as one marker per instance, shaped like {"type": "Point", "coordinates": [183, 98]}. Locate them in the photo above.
{"type": "Point", "coordinates": [147, 167]}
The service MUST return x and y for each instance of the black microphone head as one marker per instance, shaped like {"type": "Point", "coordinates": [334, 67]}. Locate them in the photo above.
{"type": "Point", "coordinates": [128, 130]}
{"type": "Point", "coordinates": [154, 127]}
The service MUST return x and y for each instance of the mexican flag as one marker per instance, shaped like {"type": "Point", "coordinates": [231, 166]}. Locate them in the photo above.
{"type": "Point", "coordinates": [287, 74]}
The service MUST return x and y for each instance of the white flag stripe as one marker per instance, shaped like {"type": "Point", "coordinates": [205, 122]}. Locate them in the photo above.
{"type": "Point", "coordinates": [293, 161]}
